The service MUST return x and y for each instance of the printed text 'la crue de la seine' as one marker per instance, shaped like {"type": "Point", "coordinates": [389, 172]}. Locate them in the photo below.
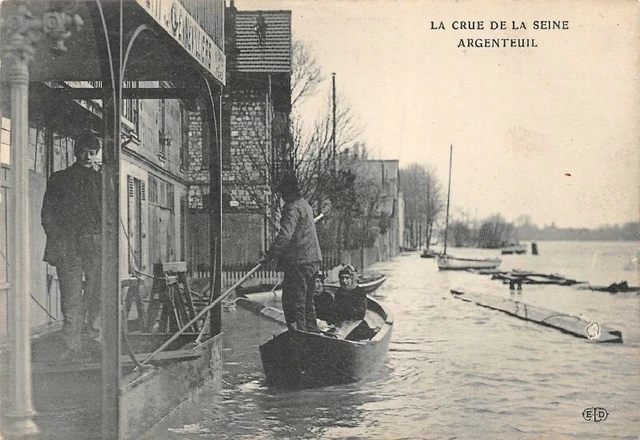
{"type": "Point", "coordinates": [469, 26]}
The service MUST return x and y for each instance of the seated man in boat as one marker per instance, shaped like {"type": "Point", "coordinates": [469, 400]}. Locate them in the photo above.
{"type": "Point", "coordinates": [350, 307]}
{"type": "Point", "coordinates": [350, 301]}
{"type": "Point", "coordinates": [323, 302]}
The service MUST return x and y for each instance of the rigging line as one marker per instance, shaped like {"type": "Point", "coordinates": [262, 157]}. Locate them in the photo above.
{"type": "Point", "coordinates": [125, 337]}
{"type": "Point", "coordinates": [135, 268]}
{"type": "Point", "coordinates": [32, 297]}
{"type": "Point", "coordinates": [42, 307]}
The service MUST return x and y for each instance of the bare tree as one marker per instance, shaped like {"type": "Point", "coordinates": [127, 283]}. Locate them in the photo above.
{"type": "Point", "coordinates": [305, 73]}
{"type": "Point", "coordinates": [423, 203]}
{"type": "Point", "coordinates": [309, 153]}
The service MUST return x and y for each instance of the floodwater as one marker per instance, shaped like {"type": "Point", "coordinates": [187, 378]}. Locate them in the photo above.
{"type": "Point", "coordinates": [454, 369]}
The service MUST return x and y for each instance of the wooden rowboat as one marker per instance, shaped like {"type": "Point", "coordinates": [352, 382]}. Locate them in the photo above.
{"type": "Point", "coordinates": [296, 359]}
{"type": "Point", "coordinates": [447, 262]}
{"type": "Point", "coordinates": [368, 284]}
{"type": "Point", "coordinates": [572, 324]}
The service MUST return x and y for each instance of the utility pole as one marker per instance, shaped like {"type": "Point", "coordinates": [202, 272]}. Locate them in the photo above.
{"type": "Point", "coordinates": [333, 136]}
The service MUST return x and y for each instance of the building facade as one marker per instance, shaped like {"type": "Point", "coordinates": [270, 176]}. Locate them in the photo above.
{"type": "Point", "coordinates": [101, 77]}
{"type": "Point", "coordinates": [256, 135]}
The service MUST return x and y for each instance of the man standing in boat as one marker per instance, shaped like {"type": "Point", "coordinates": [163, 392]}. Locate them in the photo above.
{"type": "Point", "coordinates": [72, 220]}
{"type": "Point", "coordinates": [297, 251]}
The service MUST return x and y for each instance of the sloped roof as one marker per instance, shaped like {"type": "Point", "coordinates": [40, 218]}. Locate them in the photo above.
{"type": "Point", "coordinates": [272, 52]}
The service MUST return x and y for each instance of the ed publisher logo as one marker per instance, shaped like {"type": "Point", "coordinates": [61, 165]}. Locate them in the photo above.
{"type": "Point", "coordinates": [595, 414]}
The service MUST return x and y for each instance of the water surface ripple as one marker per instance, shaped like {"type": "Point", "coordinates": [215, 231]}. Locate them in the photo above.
{"type": "Point", "coordinates": [454, 370]}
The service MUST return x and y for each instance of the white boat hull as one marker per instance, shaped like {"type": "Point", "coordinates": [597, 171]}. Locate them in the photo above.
{"type": "Point", "coordinates": [454, 263]}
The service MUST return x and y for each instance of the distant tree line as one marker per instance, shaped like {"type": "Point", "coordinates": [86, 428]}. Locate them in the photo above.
{"type": "Point", "coordinates": [495, 232]}
{"type": "Point", "coordinates": [492, 233]}
{"type": "Point", "coordinates": [627, 232]}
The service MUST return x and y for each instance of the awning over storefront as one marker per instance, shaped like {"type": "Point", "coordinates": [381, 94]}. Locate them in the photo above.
{"type": "Point", "coordinates": [169, 45]}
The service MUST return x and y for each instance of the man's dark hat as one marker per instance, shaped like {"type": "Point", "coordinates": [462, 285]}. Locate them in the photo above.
{"type": "Point", "coordinates": [289, 184]}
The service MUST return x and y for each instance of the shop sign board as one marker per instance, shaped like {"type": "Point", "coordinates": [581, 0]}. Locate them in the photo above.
{"type": "Point", "coordinates": [176, 20]}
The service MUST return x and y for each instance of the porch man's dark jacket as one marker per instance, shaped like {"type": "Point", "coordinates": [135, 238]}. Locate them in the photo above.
{"type": "Point", "coordinates": [71, 207]}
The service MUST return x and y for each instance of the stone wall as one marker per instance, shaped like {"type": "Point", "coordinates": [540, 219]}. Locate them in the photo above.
{"type": "Point", "coordinates": [198, 161]}
{"type": "Point", "coordinates": [246, 170]}
{"type": "Point", "coordinates": [246, 173]}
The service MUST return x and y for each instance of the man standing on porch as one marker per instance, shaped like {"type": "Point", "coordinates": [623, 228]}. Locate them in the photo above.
{"type": "Point", "coordinates": [72, 220]}
{"type": "Point", "coordinates": [297, 251]}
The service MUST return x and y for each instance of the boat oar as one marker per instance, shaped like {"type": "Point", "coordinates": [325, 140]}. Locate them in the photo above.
{"type": "Point", "coordinates": [202, 313]}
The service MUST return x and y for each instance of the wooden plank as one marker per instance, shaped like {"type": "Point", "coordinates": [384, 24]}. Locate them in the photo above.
{"type": "Point", "coordinates": [569, 323]}
{"type": "Point", "coordinates": [125, 361]}
{"type": "Point", "coordinates": [173, 266]}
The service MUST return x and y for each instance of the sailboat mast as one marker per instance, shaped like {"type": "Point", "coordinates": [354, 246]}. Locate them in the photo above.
{"type": "Point", "coordinates": [446, 225]}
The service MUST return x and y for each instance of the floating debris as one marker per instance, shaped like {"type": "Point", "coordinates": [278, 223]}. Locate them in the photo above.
{"type": "Point", "coordinates": [576, 325]}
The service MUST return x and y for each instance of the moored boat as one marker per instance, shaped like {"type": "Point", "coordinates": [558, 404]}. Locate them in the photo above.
{"type": "Point", "coordinates": [447, 262]}
{"type": "Point", "coordinates": [514, 249]}
{"type": "Point", "coordinates": [369, 284]}
{"type": "Point", "coordinates": [427, 253]}
{"type": "Point", "coordinates": [297, 359]}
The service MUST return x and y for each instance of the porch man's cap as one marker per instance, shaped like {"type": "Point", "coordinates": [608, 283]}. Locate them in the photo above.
{"type": "Point", "coordinates": [288, 184]}
{"type": "Point", "coordinates": [87, 140]}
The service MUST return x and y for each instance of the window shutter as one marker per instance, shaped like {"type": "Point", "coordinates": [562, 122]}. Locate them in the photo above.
{"type": "Point", "coordinates": [130, 186]}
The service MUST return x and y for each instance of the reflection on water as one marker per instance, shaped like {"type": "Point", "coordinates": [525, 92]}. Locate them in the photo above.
{"type": "Point", "coordinates": [454, 370]}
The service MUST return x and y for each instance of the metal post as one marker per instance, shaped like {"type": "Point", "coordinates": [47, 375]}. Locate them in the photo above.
{"type": "Point", "coordinates": [215, 208]}
{"type": "Point", "coordinates": [22, 28]}
{"type": "Point", "coordinates": [108, 28]}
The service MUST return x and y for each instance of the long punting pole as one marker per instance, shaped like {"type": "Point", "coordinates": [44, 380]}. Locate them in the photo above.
{"type": "Point", "coordinates": [446, 225]}
{"type": "Point", "coordinates": [209, 307]}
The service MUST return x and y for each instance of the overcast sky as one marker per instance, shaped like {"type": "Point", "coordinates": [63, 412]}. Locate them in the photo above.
{"type": "Point", "coordinates": [551, 131]}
